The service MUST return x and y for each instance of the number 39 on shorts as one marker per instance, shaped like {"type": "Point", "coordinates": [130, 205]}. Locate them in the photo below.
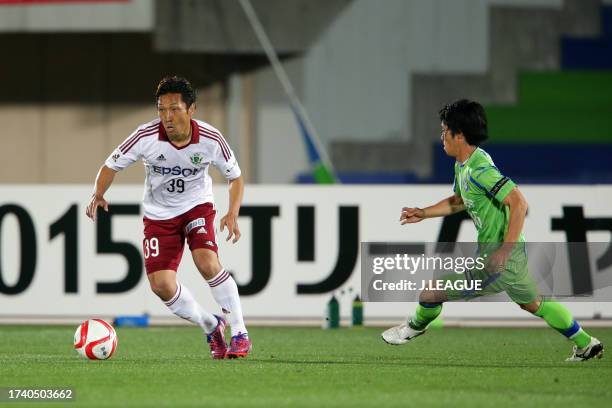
{"type": "Point", "coordinates": [151, 247]}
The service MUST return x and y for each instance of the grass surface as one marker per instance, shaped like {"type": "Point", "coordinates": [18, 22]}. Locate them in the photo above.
{"type": "Point", "coordinates": [171, 367]}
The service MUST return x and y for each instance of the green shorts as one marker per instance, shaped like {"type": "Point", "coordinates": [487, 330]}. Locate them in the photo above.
{"type": "Point", "coordinates": [514, 279]}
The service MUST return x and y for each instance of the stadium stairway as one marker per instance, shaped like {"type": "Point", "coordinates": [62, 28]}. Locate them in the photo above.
{"type": "Point", "coordinates": [556, 107]}
{"type": "Point", "coordinates": [548, 102]}
{"type": "Point", "coordinates": [559, 132]}
{"type": "Point", "coordinates": [561, 125]}
{"type": "Point", "coordinates": [590, 52]}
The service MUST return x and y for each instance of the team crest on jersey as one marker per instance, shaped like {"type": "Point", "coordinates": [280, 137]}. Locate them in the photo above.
{"type": "Point", "coordinates": [197, 159]}
{"type": "Point", "coordinates": [466, 186]}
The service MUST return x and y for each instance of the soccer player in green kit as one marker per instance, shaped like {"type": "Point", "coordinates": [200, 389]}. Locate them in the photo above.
{"type": "Point", "coordinates": [498, 210]}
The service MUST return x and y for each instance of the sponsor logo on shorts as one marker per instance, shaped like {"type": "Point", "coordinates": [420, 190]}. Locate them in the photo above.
{"type": "Point", "coordinates": [210, 243]}
{"type": "Point", "coordinates": [198, 222]}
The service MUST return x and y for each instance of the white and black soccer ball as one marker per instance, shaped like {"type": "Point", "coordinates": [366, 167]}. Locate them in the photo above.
{"type": "Point", "coordinates": [95, 339]}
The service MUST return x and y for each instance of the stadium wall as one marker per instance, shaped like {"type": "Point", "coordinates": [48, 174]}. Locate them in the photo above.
{"type": "Point", "coordinates": [356, 80]}
{"type": "Point", "coordinates": [55, 262]}
{"type": "Point", "coordinates": [356, 87]}
{"type": "Point", "coordinates": [68, 142]}
{"type": "Point", "coordinates": [85, 16]}
{"type": "Point", "coordinates": [358, 75]}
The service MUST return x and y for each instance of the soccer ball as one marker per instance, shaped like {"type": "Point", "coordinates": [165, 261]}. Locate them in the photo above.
{"type": "Point", "coordinates": [95, 339]}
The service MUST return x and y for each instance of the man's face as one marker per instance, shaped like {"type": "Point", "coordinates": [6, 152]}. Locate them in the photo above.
{"type": "Point", "coordinates": [174, 115]}
{"type": "Point", "coordinates": [449, 142]}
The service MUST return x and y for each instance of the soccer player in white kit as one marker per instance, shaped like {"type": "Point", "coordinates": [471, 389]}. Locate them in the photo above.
{"type": "Point", "coordinates": [178, 204]}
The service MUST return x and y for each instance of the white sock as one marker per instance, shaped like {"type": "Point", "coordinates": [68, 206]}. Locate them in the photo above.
{"type": "Point", "coordinates": [225, 292]}
{"type": "Point", "coordinates": [185, 306]}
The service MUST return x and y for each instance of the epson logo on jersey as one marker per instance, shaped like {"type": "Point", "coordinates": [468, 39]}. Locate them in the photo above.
{"type": "Point", "coordinates": [175, 171]}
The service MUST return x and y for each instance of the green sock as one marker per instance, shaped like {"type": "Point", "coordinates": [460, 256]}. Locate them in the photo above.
{"type": "Point", "coordinates": [425, 314]}
{"type": "Point", "coordinates": [559, 318]}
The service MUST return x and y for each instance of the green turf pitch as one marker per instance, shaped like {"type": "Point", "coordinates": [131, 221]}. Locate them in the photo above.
{"type": "Point", "coordinates": [312, 367]}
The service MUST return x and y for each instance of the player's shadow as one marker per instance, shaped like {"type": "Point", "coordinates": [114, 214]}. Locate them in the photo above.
{"type": "Point", "coordinates": [395, 363]}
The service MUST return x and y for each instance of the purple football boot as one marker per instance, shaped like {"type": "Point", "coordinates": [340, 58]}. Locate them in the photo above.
{"type": "Point", "coordinates": [216, 340]}
{"type": "Point", "coordinates": [239, 346]}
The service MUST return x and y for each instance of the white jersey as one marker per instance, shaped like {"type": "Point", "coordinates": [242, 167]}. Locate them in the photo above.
{"type": "Point", "coordinates": [176, 178]}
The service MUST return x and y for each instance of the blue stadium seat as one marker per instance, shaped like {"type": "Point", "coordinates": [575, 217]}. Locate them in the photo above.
{"type": "Point", "coordinates": [589, 53]}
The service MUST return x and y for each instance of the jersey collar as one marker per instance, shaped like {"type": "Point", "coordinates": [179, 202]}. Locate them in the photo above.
{"type": "Point", "coordinates": [195, 135]}
{"type": "Point", "coordinates": [469, 158]}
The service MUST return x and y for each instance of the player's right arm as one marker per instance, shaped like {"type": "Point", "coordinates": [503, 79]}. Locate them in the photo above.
{"type": "Point", "coordinates": [104, 179]}
{"type": "Point", "coordinates": [448, 206]}
{"type": "Point", "coordinates": [123, 156]}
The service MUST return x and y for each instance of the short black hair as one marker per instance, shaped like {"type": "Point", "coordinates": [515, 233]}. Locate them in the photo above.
{"type": "Point", "coordinates": [176, 84]}
{"type": "Point", "coordinates": [467, 117]}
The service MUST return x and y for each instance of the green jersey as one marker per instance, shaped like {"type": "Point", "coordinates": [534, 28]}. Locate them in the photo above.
{"type": "Point", "coordinates": [483, 188]}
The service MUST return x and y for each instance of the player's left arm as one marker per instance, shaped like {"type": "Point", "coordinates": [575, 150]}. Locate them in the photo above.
{"type": "Point", "coordinates": [225, 161]}
{"type": "Point", "coordinates": [517, 204]}
{"type": "Point", "coordinates": [503, 190]}
{"type": "Point", "coordinates": [230, 220]}
{"type": "Point", "coordinates": [518, 210]}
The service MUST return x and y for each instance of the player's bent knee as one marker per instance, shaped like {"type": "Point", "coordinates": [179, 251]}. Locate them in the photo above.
{"type": "Point", "coordinates": [431, 297]}
{"type": "Point", "coordinates": [163, 291]}
{"type": "Point", "coordinates": [162, 285]}
{"type": "Point", "coordinates": [530, 307]}
{"type": "Point", "coordinates": [207, 262]}
{"type": "Point", "coordinates": [209, 270]}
